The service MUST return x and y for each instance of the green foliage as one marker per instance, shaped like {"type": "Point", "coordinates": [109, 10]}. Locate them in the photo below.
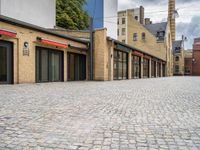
{"type": "Point", "coordinates": [70, 14]}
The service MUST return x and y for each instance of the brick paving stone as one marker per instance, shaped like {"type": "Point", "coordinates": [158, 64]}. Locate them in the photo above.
{"type": "Point", "coordinates": [160, 113]}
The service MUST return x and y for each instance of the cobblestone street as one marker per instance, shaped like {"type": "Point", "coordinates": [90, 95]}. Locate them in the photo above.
{"type": "Point", "coordinates": [134, 114]}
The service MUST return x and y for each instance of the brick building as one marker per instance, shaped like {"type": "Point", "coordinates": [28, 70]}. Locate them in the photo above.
{"type": "Point", "coordinates": [188, 62]}
{"type": "Point", "coordinates": [31, 54]}
{"type": "Point", "coordinates": [196, 57]}
{"type": "Point", "coordinates": [154, 39]}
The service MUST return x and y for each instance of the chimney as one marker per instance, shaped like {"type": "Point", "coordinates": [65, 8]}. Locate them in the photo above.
{"type": "Point", "coordinates": [171, 18]}
{"type": "Point", "coordinates": [142, 15]}
{"type": "Point", "coordinates": [148, 21]}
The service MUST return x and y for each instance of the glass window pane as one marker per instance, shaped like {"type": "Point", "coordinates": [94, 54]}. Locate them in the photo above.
{"type": "Point", "coordinates": [3, 64]}
{"type": "Point", "coordinates": [55, 66]}
{"type": "Point", "coordinates": [38, 65]}
{"type": "Point", "coordinates": [125, 70]}
{"type": "Point", "coordinates": [44, 66]}
{"type": "Point", "coordinates": [136, 68]}
{"type": "Point", "coordinates": [71, 66]}
{"type": "Point", "coordinates": [146, 67]}
{"type": "Point", "coordinates": [120, 71]}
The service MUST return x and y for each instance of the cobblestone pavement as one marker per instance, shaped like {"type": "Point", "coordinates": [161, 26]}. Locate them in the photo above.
{"type": "Point", "coordinates": [136, 114]}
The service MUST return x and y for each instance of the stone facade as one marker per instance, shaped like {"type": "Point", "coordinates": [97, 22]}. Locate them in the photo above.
{"type": "Point", "coordinates": [25, 66]}
{"type": "Point", "coordinates": [104, 50]}
{"type": "Point", "coordinates": [141, 38]}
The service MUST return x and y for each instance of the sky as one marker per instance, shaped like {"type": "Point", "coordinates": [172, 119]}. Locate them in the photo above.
{"type": "Point", "coordinates": [188, 22]}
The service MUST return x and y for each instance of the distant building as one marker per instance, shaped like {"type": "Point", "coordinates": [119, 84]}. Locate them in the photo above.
{"type": "Point", "coordinates": [179, 59]}
{"type": "Point", "coordinates": [188, 62]}
{"type": "Point", "coordinates": [196, 57]}
{"type": "Point", "coordinates": [137, 14]}
{"type": "Point", "coordinates": [154, 39]}
{"type": "Point", "coordinates": [38, 12]}
{"type": "Point", "coordinates": [104, 13]}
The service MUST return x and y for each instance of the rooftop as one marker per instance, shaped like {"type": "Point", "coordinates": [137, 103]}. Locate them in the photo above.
{"type": "Point", "coordinates": [37, 28]}
{"type": "Point", "coordinates": [156, 27]}
{"type": "Point", "coordinates": [177, 45]}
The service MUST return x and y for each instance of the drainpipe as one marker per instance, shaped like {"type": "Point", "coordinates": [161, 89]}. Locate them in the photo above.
{"type": "Point", "coordinates": [91, 48]}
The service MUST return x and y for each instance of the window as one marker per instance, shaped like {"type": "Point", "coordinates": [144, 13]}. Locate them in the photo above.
{"type": "Point", "coordinates": [145, 68]}
{"type": "Point", "coordinates": [163, 70]}
{"type": "Point", "coordinates": [123, 41]}
{"type": "Point", "coordinates": [153, 68]}
{"type": "Point", "coordinates": [177, 58]}
{"type": "Point", "coordinates": [117, 32]}
{"type": "Point", "coordinates": [143, 36]}
{"type": "Point", "coordinates": [135, 37]}
{"type": "Point", "coordinates": [176, 68]}
{"type": "Point", "coordinates": [123, 21]}
{"type": "Point", "coordinates": [136, 17]}
{"type": "Point", "coordinates": [49, 65]}
{"type": "Point", "coordinates": [76, 67]}
{"type": "Point", "coordinates": [123, 31]}
{"type": "Point", "coordinates": [177, 49]}
{"type": "Point", "coordinates": [187, 70]}
{"type": "Point", "coordinates": [120, 65]}
{"type": "Point", "coordinates": [117, 21]}
{"type": "Point", "coordinates": [160, 35]}
{"type": "Point", "coordinates": [136, 67]}
{"type": "Point", "coordinates": [159, 69]}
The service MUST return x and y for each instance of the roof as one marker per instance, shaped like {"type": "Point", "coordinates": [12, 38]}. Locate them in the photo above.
{"type": "Point", "coordinates": [132, 48]}
{"type": "Point", "coordinates": [37, 28]}
{"type": "Point", "coordinates": [154, 28]}
{"type": "Point", "coordinates": [177, 44]}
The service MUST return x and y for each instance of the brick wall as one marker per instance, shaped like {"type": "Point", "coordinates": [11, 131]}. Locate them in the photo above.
{"type": "Point", "coordinates": [188, 66]}
{"type": "Point", "coordinates": [196, 57]}
{"type": "Point", "coordinates": [196, 63]}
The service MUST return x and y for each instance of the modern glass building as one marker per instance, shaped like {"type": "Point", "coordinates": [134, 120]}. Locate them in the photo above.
{"type": "Point", "coordinates": [104, 13]}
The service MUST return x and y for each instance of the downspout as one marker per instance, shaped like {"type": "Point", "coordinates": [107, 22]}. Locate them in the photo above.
{"type": "Point", "coordinates": [91, 48]}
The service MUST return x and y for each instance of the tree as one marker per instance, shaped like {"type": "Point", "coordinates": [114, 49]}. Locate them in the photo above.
{"type": "Point", "coordinates": [71, 15]}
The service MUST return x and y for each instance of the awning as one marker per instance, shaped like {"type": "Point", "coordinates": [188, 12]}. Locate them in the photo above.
{"type": "Point", "coordinates": [138, 53]}
{"type": "Point", "coordinates": [53, 43]}
{"type": "Point", "coordinates": [8, 33]}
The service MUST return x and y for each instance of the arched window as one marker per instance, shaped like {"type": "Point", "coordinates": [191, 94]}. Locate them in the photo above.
{"type": "Point", "coordinates": [177, 58]}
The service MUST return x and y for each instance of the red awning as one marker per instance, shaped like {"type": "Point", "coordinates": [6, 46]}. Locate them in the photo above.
{"type": "Point", "coordinates": [8, 33]}
{"type": "Point", "coordinates": [53, 43]}
{"type": "Point", "coordinates": [138, 53]}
